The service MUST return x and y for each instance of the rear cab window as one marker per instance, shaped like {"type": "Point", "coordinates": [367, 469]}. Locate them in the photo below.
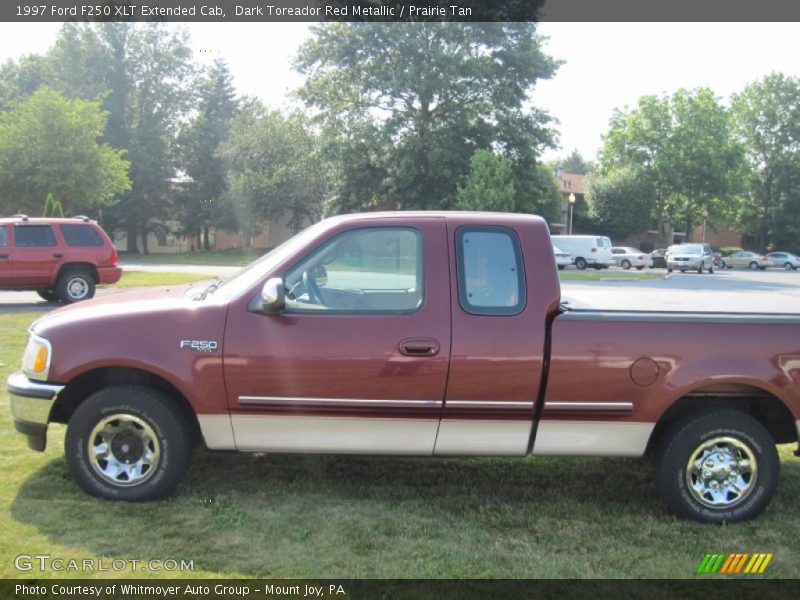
{"type": "Point", "coordinates": [491, 278]}
{"type": "Point", "coordinates": [34, 236]}
{"type": "Point", "coordinates": [80, 234]}
{"type": "Point", "coordinates": [3, 236]}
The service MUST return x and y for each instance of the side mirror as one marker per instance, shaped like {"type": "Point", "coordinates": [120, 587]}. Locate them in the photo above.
{"type": "Point", "coordinates": [272, 298]}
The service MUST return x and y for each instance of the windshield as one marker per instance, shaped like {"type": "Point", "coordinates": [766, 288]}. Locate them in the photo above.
{"type": "Point", "coordinates": [256, 270]}
{"type": "Point", "coordinates": [686, 249]}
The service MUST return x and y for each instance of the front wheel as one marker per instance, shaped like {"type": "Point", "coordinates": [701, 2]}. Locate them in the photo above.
{"type": "Point", "coordinates": [717, 466]}
{"type": "Point", "coordinates": [128, 442]}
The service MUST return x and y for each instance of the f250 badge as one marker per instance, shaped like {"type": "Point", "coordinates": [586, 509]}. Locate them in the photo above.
{"type": "Point", "coordinates": [200, 345]}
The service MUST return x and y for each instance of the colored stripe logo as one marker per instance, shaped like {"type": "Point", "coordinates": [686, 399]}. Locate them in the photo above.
{"type": "Point", "coordinates": [735, 563]}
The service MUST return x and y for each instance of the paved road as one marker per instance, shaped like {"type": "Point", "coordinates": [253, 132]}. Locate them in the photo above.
{"type": "Point", "coordinates": [731, 290]}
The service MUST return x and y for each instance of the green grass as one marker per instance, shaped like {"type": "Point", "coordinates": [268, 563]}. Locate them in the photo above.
{"type": "Point", "coordinates": [147, 278]}
{"type": "Point", "coordinates": [606, 275]}
{"type": "Point", "coordinates": [234, 258]}
{"type": "Point", "coordinates": [339, 517]}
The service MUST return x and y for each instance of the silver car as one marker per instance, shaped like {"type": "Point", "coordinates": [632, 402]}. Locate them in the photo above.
{"type": "Point", "coordinates": [627, 257]}
{"type": "Point", "coordinates": [749, 260]}
{"type": "Point", "coordinates": [690, 257]}
{"type": "Point", "coordinates": [785, 260]}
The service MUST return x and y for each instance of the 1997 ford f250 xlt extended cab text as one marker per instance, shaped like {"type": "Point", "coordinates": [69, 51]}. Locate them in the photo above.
{"type": "Point", "coordinates": [412, 334]}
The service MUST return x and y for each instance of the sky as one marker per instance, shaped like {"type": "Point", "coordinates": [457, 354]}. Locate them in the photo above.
{"type": "Point", "coordinates": [605, 65]}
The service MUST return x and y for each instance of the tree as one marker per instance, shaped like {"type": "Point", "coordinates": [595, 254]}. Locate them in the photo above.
{"type": "Point", "coordinates": [273, 170]}
{"type": "Point", "coordinates": [50, 145]}
{"type": "Point", "coordinates": [488, 186]}
{"type": "Point", "coordinates": [683, 149]}
{"type": "Point", "coordinates": [200, 141]}
{"type": "Point", "coordinates": [767, 115]}
{"type": "Point", "coordinates": [622, 203]}
{"type": "Point", "coordinates": [404, 108]}
{"type": "Point", "coordinates": [52, 207]}
{"type": "Point", "coordinates": [573, 163]}
{"type": "Point", "coordinates": [143, 76]}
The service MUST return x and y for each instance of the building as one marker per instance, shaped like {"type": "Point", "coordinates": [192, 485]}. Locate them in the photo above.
{"type": "Point", "coordinates": [569, 184]}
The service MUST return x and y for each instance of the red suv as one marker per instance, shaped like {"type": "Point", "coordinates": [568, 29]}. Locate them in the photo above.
{"type": "Point", "coordinates": [61, 259]}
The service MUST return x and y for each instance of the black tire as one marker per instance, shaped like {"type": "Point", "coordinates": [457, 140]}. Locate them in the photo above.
{"type": "Point", "coordinates": [75, 285]}
{"type": "Point", "coordinates": [711, 268]}
{"type": "Point", "coordinates": [669, 270]}
{"type": "Point", "coordinates": [700, 269]}
{"type": "Point", "coordinates": [580, 262]}
{"type": "Point", "coordinates": [561, 267]}
{"type": "Point", "coordinates": [788, 266]}
{"type": "Point", "coordinates": [626, 264]}
{"type": "Point", "coordinates": [685, 439]}
{"type": "Point", "coordinates": [753, 266]}
{"type": "Point", "coordinates": [133, 409]}
{"type": "Point", "coordinates": [48, 295]}
{"type": "Point", "coordinates": [640, 268]}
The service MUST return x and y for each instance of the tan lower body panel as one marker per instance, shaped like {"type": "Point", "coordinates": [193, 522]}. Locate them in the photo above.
{"type": "Point", "coordinates": [483, 438]}
{"type": "Point", "coordinates": [591, 438]}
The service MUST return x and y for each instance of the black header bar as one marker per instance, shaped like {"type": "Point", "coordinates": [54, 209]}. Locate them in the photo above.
{"type": "Point", "coordinates": [398, 10]}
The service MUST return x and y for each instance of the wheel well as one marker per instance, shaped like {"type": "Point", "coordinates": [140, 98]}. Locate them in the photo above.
{"type": "Point", "coordinates": [83, 386]}
{"type": "Point", "coordinates": [763, 406]}
{"type": "Point", "coordinates": [73, 266]}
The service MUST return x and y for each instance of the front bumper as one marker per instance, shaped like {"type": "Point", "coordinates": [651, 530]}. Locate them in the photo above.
{"type": "Point", "coordinates": [31, 403]}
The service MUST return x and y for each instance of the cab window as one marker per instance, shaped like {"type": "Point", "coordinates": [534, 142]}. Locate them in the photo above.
{"type": "Point", "coordinates": [371, 270]}
{"type": "Point", "coordinates": [3, 236]}
{"type": "Point", "coordinates": [491, 277]}
{"type": "Point", "coordinates": [34, 236]}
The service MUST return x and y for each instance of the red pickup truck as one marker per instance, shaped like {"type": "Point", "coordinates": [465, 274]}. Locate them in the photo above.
{"type": "Point", "coordinates": [428, 333]}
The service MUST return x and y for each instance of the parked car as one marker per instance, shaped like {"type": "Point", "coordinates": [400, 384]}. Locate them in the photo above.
{"type": "Point", "coordinates": [586, 250]}
{"type": "Point", "coordinates": [457, 345]}
{"type": "Point", "coordinates": [658, 259]}
{"type": "Point", "coordinates": [749, 260]}
{"type": "Point", "coordinates": [627, 257]}
{"type": "Point", "coordinates": [719, 261]}
{"type": "Point", "coordinates": [60, 259]}
{"type": "Point", "coordinates": [786, 260]}
{"type": "Point", "coordinates": [563, 259]}
{"type": "Point", "coordinates": [690, 257]}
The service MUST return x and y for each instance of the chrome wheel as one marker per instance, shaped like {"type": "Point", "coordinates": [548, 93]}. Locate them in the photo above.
{"type": "Point", "coordinates": [721, 472]}
{"type": "Point", "coordinates": [124, 450]}
{"type": "Point", "coordinates": [77, 288]}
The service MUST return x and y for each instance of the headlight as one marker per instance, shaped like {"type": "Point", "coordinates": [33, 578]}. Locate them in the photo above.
{"type": "Point", "coordinates": [36, 360]}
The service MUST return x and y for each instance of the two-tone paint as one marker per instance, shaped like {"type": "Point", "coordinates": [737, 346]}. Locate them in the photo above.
{"type": "Point", "coordinates": [436, 381]}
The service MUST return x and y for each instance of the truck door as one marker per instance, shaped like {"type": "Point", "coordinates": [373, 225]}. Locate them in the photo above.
{"type": "Point", "coordinates": [504, 289]}
{"type": "Point", "coordinates": [357, 362]}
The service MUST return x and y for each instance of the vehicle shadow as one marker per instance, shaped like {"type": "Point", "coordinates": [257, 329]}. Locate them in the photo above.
{"type": "Point", "coordinates": [258, 515]}
{"type": "Point", "coordinates": [38, 306]}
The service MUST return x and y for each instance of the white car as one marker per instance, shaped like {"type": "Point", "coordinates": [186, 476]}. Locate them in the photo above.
{"type": "Point", "coordinates": [627, 257]}
{"type": "Point", "coordinates": [563, 259]}
{"type": "Point", "coordinates": [785, 260]}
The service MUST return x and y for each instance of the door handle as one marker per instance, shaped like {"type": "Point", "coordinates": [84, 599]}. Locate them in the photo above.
{"type": "Point", "coordinates": [419, 347]}
{"type": "Point", "coordinates": [58, 255]}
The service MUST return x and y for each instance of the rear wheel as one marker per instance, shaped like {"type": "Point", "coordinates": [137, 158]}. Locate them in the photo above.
{"type": "Point", "coordinates": [626, 264]}
{"type": "Point", "coordinates": [75, 285]}
{"type": "Point", "coordinates": [753, 266]}
{"type": "Point", "coordinates": [128, 443]}
{"type": "Point", "coordinates": [640, 268]}
{"type": "Point", "coordinates": [48, 295]}
{"type": "Point", "coordinates": [717, 466]}
{"type": "Point", "coordinates": [788, 266]}
{"type": "Point", "coordinates": [580, 262]}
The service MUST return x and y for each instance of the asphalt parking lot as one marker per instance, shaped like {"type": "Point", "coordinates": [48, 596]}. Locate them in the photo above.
{"type": "Point", "coordinates": [771, 291]}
